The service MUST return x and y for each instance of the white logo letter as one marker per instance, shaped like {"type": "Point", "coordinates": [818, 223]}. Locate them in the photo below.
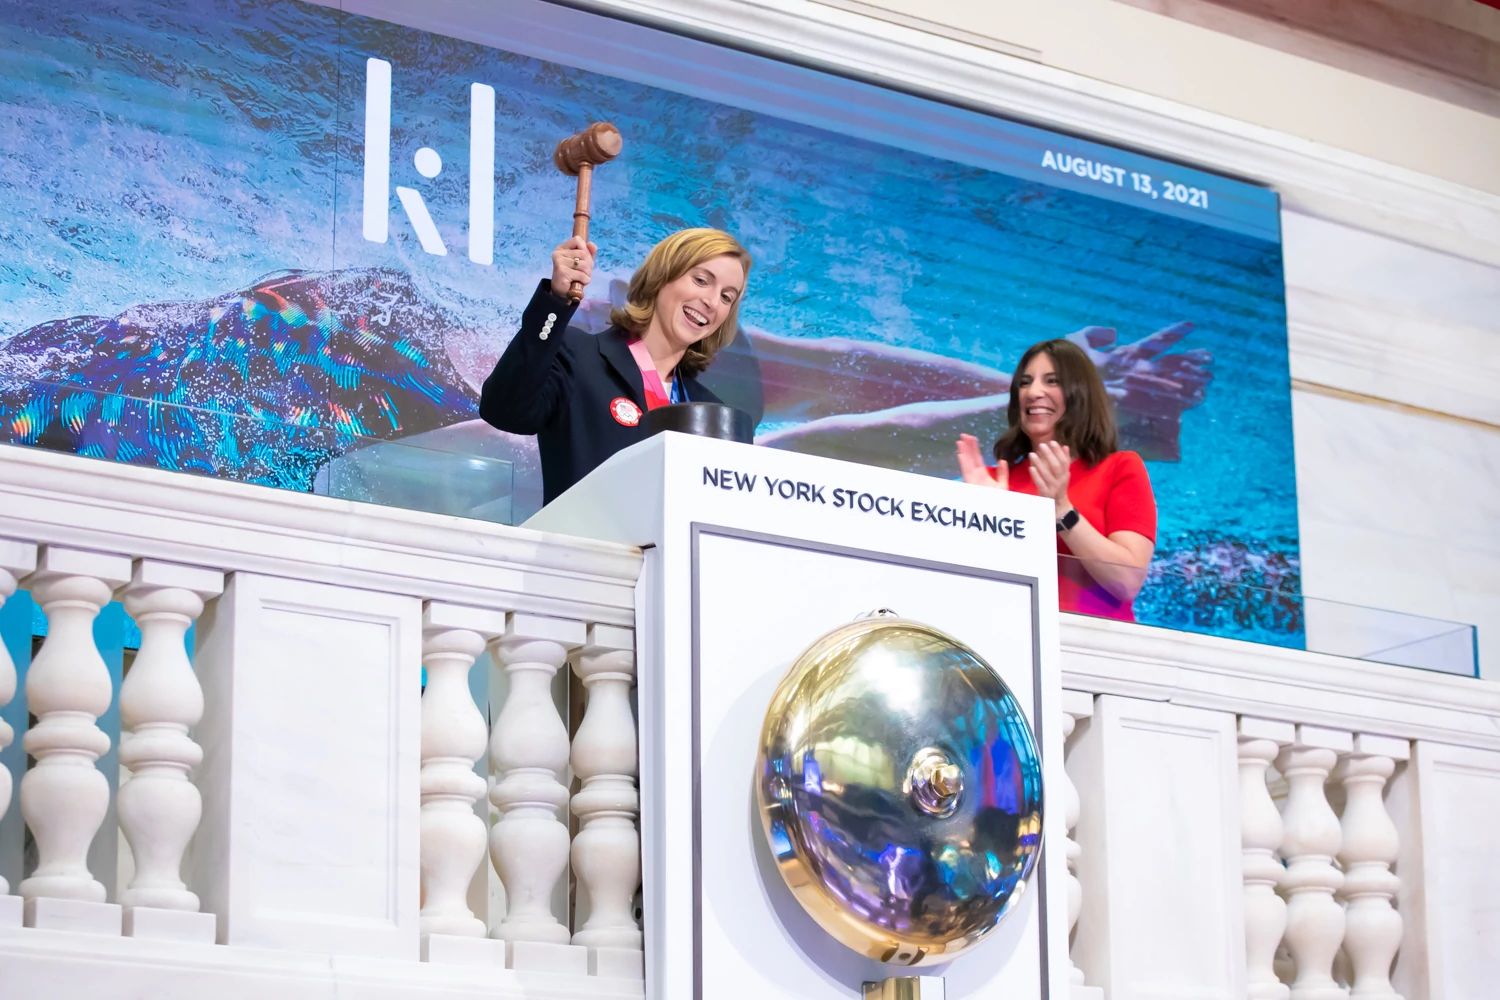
{"type": "Point", "coordinates": [482, 174]}
{"type": "Point", "coordinates": [377, 149]}
{"type": "Point", "coordinates": [378, 167]}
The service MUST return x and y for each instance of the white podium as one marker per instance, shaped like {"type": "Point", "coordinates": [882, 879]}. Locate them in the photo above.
{"type": "Point", "coordinates": [753, 553]}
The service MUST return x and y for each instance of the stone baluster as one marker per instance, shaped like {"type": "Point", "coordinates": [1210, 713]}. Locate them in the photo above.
{"type": "Point", "coordinates": [1260, 741]}
{"type": "Point", "coordinates": [1370, 842]}
{"type": "Point", "coordinates": [454, 735]}
{"type": "Point", "coordinates": [529, 752]}
{"type": "Point", "coordinates": [160, 701]}
{"type": "Point", "coordinates": [64, 796]}
{"type": "Point", "coordinates": [607, 850]}
{"type": "Point", "coordinates": [16, 560]}
{"type": "Point", "coordinates": [1311, 839]}
{"type": "Point", "coordinates": [1076, 705]}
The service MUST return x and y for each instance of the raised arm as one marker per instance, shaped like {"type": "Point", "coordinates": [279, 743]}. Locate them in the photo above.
{"type": "Point", "coordinates": [525, 391]}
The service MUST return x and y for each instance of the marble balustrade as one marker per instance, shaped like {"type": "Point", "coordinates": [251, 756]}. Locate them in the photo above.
{"type": "Point", "coordinates": [290, 782]}
{"type": "Point", "coordinates": [1243, 821]}
{"type": "Point", "coordinates": [1267, 823]}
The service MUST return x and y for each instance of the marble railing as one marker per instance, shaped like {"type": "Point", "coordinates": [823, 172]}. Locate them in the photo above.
{"type": "Point", "coordinates": [1267, 823]}
{"type": "Point", "coordinates": [293, 802]}
{"type": "Point", "coordinates": [292, 813]}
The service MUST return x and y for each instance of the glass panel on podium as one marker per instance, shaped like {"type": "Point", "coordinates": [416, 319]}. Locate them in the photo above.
{"type": "Point", "coordinates": [260, 448]}
{"type": "Point", "coordinates": [399, 474]}
{"type": "Point", "coordinates": [1266, 604]}
{"type": "Point", "coordinates": [1394, 637]}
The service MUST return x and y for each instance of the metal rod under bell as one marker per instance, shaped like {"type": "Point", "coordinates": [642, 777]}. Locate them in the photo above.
{"type": "Point", "coordinates": [907, 988]}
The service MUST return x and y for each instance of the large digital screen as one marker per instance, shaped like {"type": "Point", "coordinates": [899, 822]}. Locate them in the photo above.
{"type": "Point", "coordinates": [258, 239]}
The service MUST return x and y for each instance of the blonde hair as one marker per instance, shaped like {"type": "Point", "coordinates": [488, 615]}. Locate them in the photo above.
{"type": "Point", "coordinates": [669, 260]}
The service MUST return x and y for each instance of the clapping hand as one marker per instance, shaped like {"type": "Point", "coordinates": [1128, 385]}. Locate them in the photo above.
{"type": "Point", "coordinates": [1049, 471]}
{"type": "Point", "coordinates": [971, 465]}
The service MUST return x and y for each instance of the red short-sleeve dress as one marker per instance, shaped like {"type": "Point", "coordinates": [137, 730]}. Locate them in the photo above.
{"type": "Point", "coordinates": [1114, 495]}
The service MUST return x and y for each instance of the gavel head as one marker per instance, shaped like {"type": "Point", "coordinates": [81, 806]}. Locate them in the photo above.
{"type": "Point", "coordinates": [597, 144]}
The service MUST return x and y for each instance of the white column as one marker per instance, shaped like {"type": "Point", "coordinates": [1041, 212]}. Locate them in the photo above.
{"type": "Point", "coordinates": [16, 560]}
{"type": "Point", "coordinates": [1315, 920]}
{"type": "Point", "coordinates": [1370, 845]}
{"type": "Point", "coordinates": [160, 700]}
{"type": "Point", "coordinates": [64, 796]}
{"type": "Point", "coordinates": [1446, 803]}
{"type": "Point", "coordinates": [1076, 705]}
{"type": "Point", "coordinates": [1260, 834]}
{"type": "Point", "coordinates": [607, 850]}
{"type": "Point", "coordinates": [454, 735]}
{"type": "Point", "coordinates": [311, 735]}
{"type": "Point", "coordinates": [529, 751]}
{"type": "Point", "coordinates": [1161, 781]}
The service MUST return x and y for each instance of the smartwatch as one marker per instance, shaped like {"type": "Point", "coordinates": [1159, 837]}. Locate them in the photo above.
{"type": "Point", "coordinates": [1068, 521]}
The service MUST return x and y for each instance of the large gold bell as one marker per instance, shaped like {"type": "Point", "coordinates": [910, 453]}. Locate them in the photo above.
{"type": "Point", "coordinates": [900, 789]}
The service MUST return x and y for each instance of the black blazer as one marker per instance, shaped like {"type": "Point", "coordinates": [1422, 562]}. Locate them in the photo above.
{"type": "Point", "coordinates": [559, 384]}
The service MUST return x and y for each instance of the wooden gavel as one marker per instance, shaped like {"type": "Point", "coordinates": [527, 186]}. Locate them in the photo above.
{"type": "Point", "coordinates": [577, 156]}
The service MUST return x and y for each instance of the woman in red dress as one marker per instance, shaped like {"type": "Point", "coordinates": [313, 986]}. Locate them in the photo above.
{"type": "Point", "coordinates": [1062, 443]}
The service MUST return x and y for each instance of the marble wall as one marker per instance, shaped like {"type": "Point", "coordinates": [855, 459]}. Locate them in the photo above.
{"type": "Point", "coordinates": [1395, 357]}
{"type": "Point", "coordinates": [1401, 511]}
{"type": "Point", "coordinates": [1225, 72]}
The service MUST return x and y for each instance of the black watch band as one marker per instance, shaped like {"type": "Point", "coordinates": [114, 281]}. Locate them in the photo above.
{"type": "Point", "coordinates": [1068, 520]}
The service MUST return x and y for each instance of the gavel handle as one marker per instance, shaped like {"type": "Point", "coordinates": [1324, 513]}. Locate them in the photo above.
{"type": "Point", "coordinates": [581, 219]}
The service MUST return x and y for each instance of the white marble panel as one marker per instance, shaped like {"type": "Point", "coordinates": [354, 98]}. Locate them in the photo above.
{"type": "Point", "coordinates": [1382, 318]}
{"type": "Point", "coordinates": [1479, 603]}
{"type": "Point", "coordinates": [1163, 914]}
{"type": "Point", "coordinates": [310, 735]}
{"type": "Point", "coordinates": [1448, 806]}
{"type": "Point", "coordinates": [1399, 511]}
{"type": "Point", "coordinates": [1366, 267]}
{"type": "Point", "coordinates": [1369, 567]}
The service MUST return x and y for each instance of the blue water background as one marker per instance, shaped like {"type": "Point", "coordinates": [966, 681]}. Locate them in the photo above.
{"type": "Point", "coordinates": [159, 152]}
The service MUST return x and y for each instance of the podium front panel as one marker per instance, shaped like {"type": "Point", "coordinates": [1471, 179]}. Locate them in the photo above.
{"type": "Point", "coordinates": [755, 937]}
{"type": "Point", "coordinates": [752, 554]}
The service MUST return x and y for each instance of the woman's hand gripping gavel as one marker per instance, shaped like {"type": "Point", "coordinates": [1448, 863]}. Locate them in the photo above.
{"type": "Point", "coordinates": [572, 267]}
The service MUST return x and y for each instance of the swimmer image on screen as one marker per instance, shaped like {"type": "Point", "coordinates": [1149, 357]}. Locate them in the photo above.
{"type": "Point", "coordinates": [341, 259]}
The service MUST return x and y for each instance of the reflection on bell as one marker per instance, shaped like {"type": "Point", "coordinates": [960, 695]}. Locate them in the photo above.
{"type": "Point", "coordinates": [900, 790]}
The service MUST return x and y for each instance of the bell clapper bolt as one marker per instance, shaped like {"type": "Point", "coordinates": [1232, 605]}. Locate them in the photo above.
{"type": "Point", "coordinates": [906, 988]}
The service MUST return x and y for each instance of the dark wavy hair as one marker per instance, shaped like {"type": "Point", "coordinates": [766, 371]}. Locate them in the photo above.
{"type": "Point", "coordinates": [1087, 425]}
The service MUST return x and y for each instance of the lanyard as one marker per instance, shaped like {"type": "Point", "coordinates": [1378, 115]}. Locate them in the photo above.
{"type": "Point", "coordinates": [656, 392]}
